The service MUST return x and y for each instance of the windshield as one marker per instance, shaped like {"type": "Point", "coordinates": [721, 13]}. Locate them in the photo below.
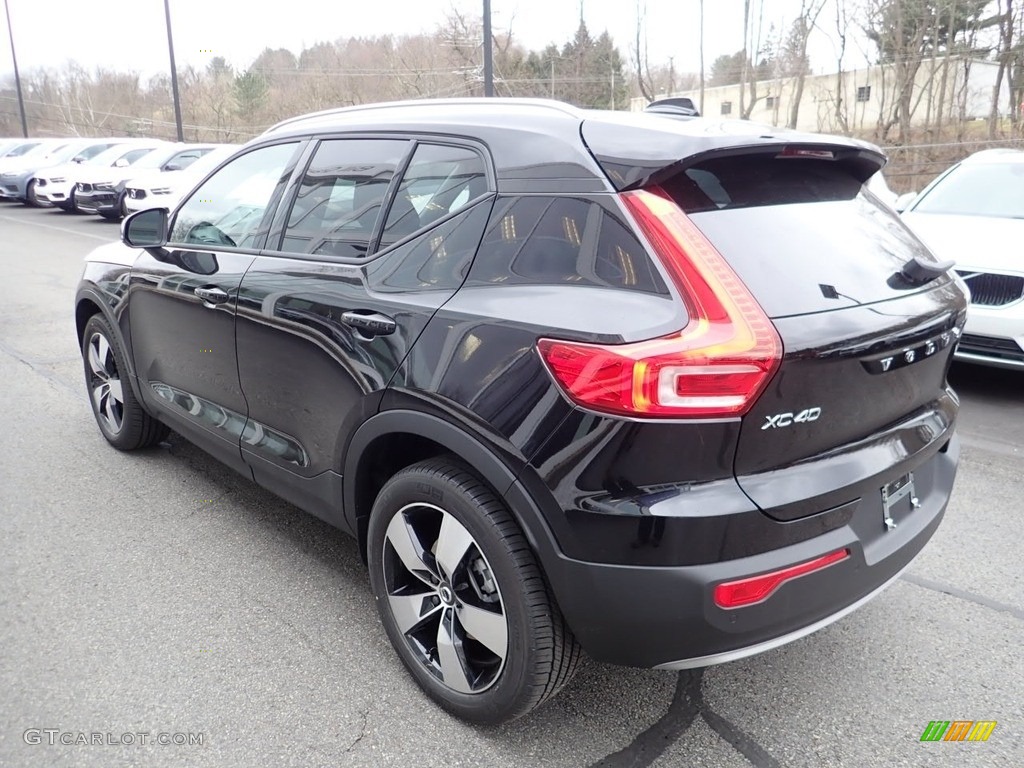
{"type": "Point", "coordinates": [112, 155]}
{"type": "Point", "coordinates": [989, 189]}
{"type": "Point", "coordinates": [18, 150]}
{"type": "Point", "coordinates": [158, 157]}
{"type": "Point", "coordinates": [210, 160]}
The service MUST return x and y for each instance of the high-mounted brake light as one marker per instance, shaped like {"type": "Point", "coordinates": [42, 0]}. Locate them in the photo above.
{"type": "Point", "coordinates": [716, 366]}
{"type": "Point", "coordinates": [817, 154]}
{"type": "Point", "coordinates": [757, 589]}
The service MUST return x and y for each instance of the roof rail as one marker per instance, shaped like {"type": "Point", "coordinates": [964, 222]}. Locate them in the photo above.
{"type": "Point", "coordinates": [558, 106]}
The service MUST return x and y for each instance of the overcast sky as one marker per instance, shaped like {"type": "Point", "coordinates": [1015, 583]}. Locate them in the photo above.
{"type": "Point", "coordinates": [131, 35]}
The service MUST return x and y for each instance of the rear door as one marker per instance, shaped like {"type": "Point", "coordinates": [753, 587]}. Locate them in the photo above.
{"type": "Point", "coordinates": [377, 237]}
{"type": "Point", "coordinates": [865, 348]}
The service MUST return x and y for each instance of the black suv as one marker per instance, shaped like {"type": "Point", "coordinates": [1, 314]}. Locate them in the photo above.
{"type": "Point", "coordinates": [668, 391]}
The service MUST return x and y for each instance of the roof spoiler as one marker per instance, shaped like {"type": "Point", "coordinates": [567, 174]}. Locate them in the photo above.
{"type": "Point", "coordinates": [637, 153]}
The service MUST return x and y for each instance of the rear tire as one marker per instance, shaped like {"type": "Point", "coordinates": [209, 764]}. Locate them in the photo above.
{"type": "Point", "coordinates": [461, 595]}
{"type": "Point", "coordinates": [120, 417]}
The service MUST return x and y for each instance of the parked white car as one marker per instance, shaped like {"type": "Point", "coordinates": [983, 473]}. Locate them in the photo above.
{"type": "Point", "coordinates": [56, 185]}
{"type": "Point", "coordinates": [973, 214]}
{"type": "Point", "coordinates": [16, 178]}
{"type": "Point", "coordinates": [101, 190]}
{"type": "Point", "coordinates": [165, 190]}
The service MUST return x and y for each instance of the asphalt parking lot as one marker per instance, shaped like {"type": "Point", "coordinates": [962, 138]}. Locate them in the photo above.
{"type": "Point", "coordinates": [160, 594]}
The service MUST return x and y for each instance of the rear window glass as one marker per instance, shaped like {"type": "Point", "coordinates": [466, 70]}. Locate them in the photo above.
{"type": "Point", "coordinates": [743, 182]}
{"type": "Point", "coordinates": [564, 240]}
{"type": "Point", "coordinates": [799, 232]}
{"type": "Point", "coordinates": [978, 190]}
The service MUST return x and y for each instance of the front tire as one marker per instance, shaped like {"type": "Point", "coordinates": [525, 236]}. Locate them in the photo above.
{"type": "Point", "coordinates": [461, 596]}
{"type": "Point", "coordinates": [120, 417]}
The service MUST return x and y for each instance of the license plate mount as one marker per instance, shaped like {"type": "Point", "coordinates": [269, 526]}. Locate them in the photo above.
{"type": "Point", "coordinates": [900, 489]}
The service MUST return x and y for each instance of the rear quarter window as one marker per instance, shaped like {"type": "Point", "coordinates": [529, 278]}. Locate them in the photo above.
{"type": "Point", "coordinates": [535, 240]}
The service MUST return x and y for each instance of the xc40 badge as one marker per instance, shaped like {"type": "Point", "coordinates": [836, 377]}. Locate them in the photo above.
{"type": "Point", "coordinates": [789, 419]}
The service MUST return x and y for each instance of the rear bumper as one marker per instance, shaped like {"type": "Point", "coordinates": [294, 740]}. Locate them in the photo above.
{"type": "Point", "coordinates": [666, 616]}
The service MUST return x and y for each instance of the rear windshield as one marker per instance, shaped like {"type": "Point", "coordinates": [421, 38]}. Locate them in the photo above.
{"type": "Point", "coordinates": [978, 190]}
{"type": "Point", "coordinates": [803, 234]}
{"type": "Point", "coordinates": [744, 182]}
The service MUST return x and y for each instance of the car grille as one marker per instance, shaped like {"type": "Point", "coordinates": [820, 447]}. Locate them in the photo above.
{"type": "Point", "coordinates": [991, 290]}
{"type": "Point", "coordinates": [1003, 349]}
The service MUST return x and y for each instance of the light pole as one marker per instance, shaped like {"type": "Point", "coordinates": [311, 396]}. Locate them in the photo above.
{"type": "Point", "coordinates": [488, 58]}
{"type": "Point", "coordinates": [17, 76]}
{"type": "Point", "coordinates": [174, 72]}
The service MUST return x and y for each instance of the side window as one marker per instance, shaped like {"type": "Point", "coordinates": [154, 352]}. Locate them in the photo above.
{"type": "Point", "coordinates": [435, 260]}
{"type": "Point", "coordinates": [339, 200]}
{"type": "Point", "coordinates": [563, 240]}
{"type": "Point", "coordinates": [228, 208]}
{"type": "Point", "coordinates": [439, 180]}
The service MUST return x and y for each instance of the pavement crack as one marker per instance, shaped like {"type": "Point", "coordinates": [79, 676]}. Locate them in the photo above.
{"type": "Point", "coordinates": [962, 594]}
{"type": "Point", "coordinates": [739, 740]}
{"type": "Point", "coordinates": [652, 743]}
{"type": "Point", "coordinates": [362, 731]}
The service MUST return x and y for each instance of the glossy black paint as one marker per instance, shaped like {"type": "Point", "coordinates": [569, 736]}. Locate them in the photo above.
{"type": "Point", "coordinates": [325, 374]}
{"type": "Point", "coordinates": [181, 343]}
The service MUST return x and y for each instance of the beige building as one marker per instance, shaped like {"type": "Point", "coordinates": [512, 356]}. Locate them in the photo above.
{"type": "Point", "coordinates": [867, 93]}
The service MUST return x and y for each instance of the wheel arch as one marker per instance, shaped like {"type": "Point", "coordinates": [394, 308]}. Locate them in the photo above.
{"type": "Point", "coordinates": [88, 303]}
{"type": "Point", "coordinates": [395, 439]}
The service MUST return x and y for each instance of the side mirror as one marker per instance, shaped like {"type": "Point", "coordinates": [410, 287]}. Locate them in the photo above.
{"type": "Point", "coordinates": [145, 229]}
{"type": "Point", "coordinates": [121, 163]}
{"type": "Point", "coordinates": [903, 201]}
{"type": "Point", "coordinates": [172, 167]}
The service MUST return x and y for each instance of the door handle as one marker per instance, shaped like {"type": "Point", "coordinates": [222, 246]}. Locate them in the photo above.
{"type": "Point", "coordinates": [211, 295]}
{"type": "Point", "coordinates": [370, 323]}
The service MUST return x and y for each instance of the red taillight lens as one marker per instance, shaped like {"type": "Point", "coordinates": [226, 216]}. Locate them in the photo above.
{"type": "Point", "coordinates": [736, 594]}
{"type": "Point", "coordinates": [716, 366]}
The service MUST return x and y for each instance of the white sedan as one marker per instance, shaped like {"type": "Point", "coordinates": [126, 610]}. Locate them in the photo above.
{"type": "Point", "coordinates": [165, 190]}
{"type": "Point", "coordinates": [973, 214]}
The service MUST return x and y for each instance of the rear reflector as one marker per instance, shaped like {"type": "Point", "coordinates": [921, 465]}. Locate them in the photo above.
{"type": "Point", "coordinates": [716, 366]}
{"type": "Point", "coordinates": [757, 589]}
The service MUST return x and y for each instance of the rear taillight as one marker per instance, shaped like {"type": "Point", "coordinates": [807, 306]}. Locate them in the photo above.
{"type": "Point", "coordinates": [716, 366]}
{"type": "Point", "coordinates": [757, 589]}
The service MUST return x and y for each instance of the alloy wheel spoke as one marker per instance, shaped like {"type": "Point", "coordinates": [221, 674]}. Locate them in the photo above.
{"type": "Point", "coordinates": [409, 550]}
{"type": "Point", "coordinates": [116, 390]}
{"type": "Point", "coordinates": [450, 655]}
{"type": "Point", "coordinates": [100, 395]}
{"type": "Point", "coordinates": [487, 628]}
{"type": "Point", "coordinates": [97, 361]}
{"type": "Point", "coordinates": [410, 611]}
{"type": "Point", "coordinates": [453, 541]}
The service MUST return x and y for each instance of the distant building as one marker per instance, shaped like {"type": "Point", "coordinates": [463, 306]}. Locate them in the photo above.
{"type": "Point", "coordinates": [865, 94]}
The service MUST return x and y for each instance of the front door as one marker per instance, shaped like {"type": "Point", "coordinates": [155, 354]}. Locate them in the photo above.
{"type": "Point", "coordinates": [184, 298]}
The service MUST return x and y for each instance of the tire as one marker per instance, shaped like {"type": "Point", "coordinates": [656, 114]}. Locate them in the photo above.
{"type": "Point", "coordinates": [475, 625]}
{"type": "Point", "coordinates": [120, 417]}
{"type": "Point", "coordinates": [31, 199]}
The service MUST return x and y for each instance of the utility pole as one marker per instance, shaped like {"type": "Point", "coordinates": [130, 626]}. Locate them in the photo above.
{"type": "Point", "coordinates": [17, 76]}
{"type": "Point", "coordinates": [488, 53]}
{"type": "Point", "coordinates": [174, 72]}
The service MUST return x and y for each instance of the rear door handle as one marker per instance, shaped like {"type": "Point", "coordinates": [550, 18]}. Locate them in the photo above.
{"type": "Point", "coordinates": [211, 295]}
{"type": "Point", "coordinates": [370, 323]}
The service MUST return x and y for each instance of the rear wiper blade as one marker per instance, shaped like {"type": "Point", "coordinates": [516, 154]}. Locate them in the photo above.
{"type": "Point", "coordinates": [918, 271]}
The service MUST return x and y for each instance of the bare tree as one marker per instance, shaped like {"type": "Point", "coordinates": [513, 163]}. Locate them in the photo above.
{"type": "Point", "coordinates": [796, 53]}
